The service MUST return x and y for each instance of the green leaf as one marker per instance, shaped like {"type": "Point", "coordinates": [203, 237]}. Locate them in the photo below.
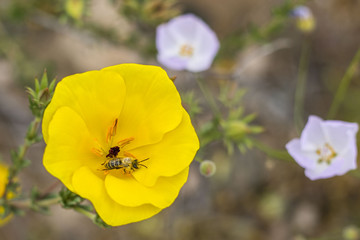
{"type": "Point", "coordinates": [52, 86]}
{"type": "Point", "coordinates": [248, 143]}
{"type": "Point", "coordinates": [191, 103]}
{"type": "Point", "coordinates": [37, 85]}
{"type": "Point", "coordinates": [24, 163]}
{"type": "Point", "coordinates": [31, 92]}
{"type": "Point", "coordinates": [249, 118]}
{"type": "Point", "coordinates": [256, 129]}
{"type": "Point", "coordinates": [236, 113]}
{"type": "Point", "coordinates": [14, 156]}
{"type": "Point", "coordinates": [242, 148]}
{"type": "Point", "coordinates": [98, 221]}
{"type": "Point", "coordinates": [44, 81]}
{"type": "Point", "coordinates": [209, 132]}
{"type": "Point", "coordinates": [70, 199]}
{"type": "Point", "coordinates": [229, 146]}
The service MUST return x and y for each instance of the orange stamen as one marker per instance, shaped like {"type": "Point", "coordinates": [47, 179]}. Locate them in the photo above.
{"type": "Point", "coordinates": [97, 152]}
{"type": "Point", "coordinates": [125, 141]}
{"type": "Point", "coordinates": [186, 50]}
{"type": "Point", "coordinates": [127, 154]}
{"type": "Point", "coordinates": [112, 131]}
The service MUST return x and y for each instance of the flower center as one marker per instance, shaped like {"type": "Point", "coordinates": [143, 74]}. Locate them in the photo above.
{"type": "Point", "coordinates": [326, 153]}
{"type": "Point", "coordinates": [186, 50]}
{"type": "Point", "coordinates": [113, 152]}
{"type": "Point", "coordinates": [117, 157]}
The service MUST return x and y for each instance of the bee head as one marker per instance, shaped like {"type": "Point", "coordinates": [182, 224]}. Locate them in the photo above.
{"type": "Point", "coordinates": [135, 164]}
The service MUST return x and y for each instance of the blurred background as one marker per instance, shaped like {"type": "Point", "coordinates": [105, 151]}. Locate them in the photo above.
{"type": "Point", "coordinates": [251, 196]}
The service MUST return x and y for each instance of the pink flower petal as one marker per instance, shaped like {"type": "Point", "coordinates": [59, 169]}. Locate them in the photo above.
{"type": "Point", "coordinates": [190, 32]}
{"type": "Point", "coordinates": [326, 148]}
{"type": "Point", "coordinates": [303, 158]}
{"type": "Point", "coordinates": [339, 134]}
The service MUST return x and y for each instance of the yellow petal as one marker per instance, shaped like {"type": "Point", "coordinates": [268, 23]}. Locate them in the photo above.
{"type": "Point", "coordinates": [169, 157]}
{"type": "Point", "coordinates": [4, 172]}
{"type": "Point", "coordinates": [97, 96]}
{"type": "Point", "coordinates": [152, 107]}
{"type": "Point", "coordinates": [92, 187]}
{"type": "Point", "coordinates": [127, 191]}
{"type": "Point", "coordinates": [69, 146]}
{"type": "Point", "coordinates": [5, 220]}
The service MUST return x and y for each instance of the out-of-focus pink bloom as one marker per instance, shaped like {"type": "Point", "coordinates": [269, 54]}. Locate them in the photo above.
{"type": "Point", "coordinates": [325, 148]}
{"type": "Point", "coordinates": [186, 43]}
{"type": "Point", "coordinates": [301, 12]}
{"type": "Point", "coordinates": [305, 20]}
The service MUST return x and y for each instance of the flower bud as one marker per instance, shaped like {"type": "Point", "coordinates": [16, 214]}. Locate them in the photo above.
{"type": "Point", "coordinates": [45, 95]}
{"type": "Point", "coordinates": [235, 130]}
{"type": "Point", "coordinates": [207, 168]}
{"type": "Point", "coordinates": [305, 20]}
{"type": "Point", "coordinates": [74, 8]}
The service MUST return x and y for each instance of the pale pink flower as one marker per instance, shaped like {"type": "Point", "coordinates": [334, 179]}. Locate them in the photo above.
{"type": "Point", "coordinates": [186, 43]}
{"type": "Point", "coordinates": [325, 148]}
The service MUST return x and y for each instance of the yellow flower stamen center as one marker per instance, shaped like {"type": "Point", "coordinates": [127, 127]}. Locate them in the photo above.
{"type": "Point", "coordinates": [326, 153]}
{"type": "Point", "coordinates": [186, 50]}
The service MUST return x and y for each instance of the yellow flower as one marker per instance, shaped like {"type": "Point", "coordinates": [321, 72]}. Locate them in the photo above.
{"type": "Point", "coordinates": [120, 138]}
{"type": "Point", "coordinates": [75, 8]}
{"type": "Point", "coordinates": [4, 172]}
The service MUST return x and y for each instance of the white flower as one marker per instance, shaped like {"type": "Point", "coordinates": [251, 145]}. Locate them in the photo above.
{"type": "Point", "coordinates": [186, 42]}
{"type": "Point", "coordinates": [325, 148]}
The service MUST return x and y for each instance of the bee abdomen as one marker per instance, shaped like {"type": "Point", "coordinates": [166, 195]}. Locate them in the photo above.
{"type": "Point", "coordinates": [113, 164]}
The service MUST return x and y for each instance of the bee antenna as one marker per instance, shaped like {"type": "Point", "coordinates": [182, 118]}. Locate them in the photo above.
{"type": "Point", "coordinates": [142, 165]}
{"type": "Point", "coordinates": [144, 160]}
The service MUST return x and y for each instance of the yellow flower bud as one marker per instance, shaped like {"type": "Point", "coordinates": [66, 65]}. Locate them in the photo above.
{"type": "Point", "coordinates": [74, 8]}
{"type": "Point", "coordinates": [305, 20]}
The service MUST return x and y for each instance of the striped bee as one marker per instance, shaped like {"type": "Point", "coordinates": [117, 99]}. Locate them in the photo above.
{"type": "Point", "coordinates": [128, 164]}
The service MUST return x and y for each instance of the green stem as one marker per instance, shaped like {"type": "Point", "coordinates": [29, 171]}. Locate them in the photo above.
{"type": "Point", "coordinates": [49, 202]}
{"type": "Point", "coordinates": [86, 213]}
{"type": "Point", "coordinates": [31, 132]}
{"type": "Point", "coordinates": [300, 88]}
{"type": "Point", "coordinates": [344, 85]}
{"type": "Point", "coordinates": [278, 154]}
{"type": "Point", "coordinates": [18, 163]}
{"type": "Point", "coordinates": [27, 203]}
{"type": "Point", "coordinates": [209, 97]}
